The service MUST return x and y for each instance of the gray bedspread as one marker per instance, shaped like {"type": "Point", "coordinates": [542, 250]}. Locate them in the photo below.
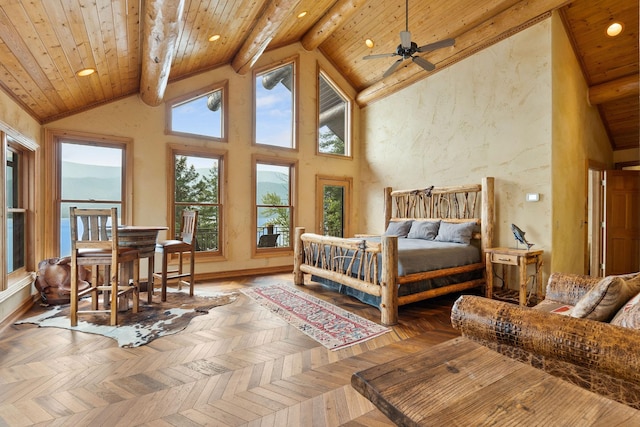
{"type": "Point", "coordinates": [418, 255]}
{"type": "Point", "coordinates": [414, 256]}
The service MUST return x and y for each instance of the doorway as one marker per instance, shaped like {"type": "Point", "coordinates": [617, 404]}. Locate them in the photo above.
{"type": "Point", "coordinates": [612, 221]}
{"type": "Point", "coordinates": [333, 205]}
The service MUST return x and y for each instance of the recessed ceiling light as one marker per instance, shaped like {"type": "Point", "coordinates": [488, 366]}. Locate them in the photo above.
{"type": "Point", "coordinates": [302, 14]}
{"type": "Point", "coordinates": [369, 43]}
{"type": "Point", "coordinates": [85, 72]}
{"type": "Point", "coordinates": [214, 37]}
{"type": "Point", "coordinates": [614, 29]}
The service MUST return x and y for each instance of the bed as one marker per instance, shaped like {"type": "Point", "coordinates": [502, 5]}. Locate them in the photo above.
{"type": "Point", "coordinates": [390, 270]}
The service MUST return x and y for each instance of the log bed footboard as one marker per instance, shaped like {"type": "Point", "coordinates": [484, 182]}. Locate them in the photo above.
{"type": "Point", "coordinates": [330, 257]}
{"type": "Point", "coordinates": [326, 257]}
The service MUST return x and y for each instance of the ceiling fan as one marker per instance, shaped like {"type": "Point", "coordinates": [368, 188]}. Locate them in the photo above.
{"type": "Point", "coordinates": [407, 49]}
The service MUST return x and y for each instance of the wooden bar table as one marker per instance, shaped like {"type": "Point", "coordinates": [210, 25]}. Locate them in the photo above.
{"type": "Point", "coordinates": [143, 238]}
{"type": "Point", "coordinates": [462, 383]}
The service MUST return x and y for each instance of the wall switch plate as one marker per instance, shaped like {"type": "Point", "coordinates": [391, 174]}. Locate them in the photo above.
{"type": "Point", "coordinates": [532, 197]}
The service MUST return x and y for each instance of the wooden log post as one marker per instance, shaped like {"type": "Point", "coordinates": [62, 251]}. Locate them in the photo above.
{"type": "Point", "coordinates": [389, 282]}
{"type": "Point", "coordinates": [388, 207]}
{"type": "Point", "coordinates": [487, 219]}
{"type": "Point", "coordinates": [298, 275]}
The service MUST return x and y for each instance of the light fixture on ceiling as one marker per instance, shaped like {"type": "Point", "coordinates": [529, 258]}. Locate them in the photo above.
{"type": "Point", "coordinates": [85, 72]}
{"type": "Point", "coordinates": [369, 43]}
{"type": "Point", "coordinates": [302, 14]}
{"type": "Point", "coordinates": [614, 29]}
{"type": "Point", "coordinates": [214, 38]}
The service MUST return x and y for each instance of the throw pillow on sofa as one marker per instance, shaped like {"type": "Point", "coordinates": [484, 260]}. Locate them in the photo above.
{"type": "Point", "coordinates": [604, 299]}
{"type": "Point", "coordinates": [629, 315]}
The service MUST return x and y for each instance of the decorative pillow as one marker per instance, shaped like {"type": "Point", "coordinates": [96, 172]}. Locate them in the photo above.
{"type": "Point", "coordinates": [398, 228]}
{"type": "Point", "coordinates": [606, 297]}
{"type": "Point", "coordinates": [426, 230]}
{"type": "Point", "coordinates": [455, 232]}
{"type": "Point", "coordinates": [629, 315]}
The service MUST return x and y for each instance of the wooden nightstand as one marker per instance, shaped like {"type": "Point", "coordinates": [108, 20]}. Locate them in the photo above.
{"type": "Point", "coordinates": [520, 258]}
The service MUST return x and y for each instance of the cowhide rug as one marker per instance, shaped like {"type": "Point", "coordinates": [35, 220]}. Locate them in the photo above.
{"type": "Point", "coordinates": [134, 329]}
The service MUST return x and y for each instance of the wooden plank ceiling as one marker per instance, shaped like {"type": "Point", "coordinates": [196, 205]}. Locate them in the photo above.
{"type": "Point", "coordinates": [137, 46]}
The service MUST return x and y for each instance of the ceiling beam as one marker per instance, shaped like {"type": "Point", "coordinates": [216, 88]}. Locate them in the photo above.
{"type": "Point", "coordinates": [270, 21]}
{"type": "Point", "coordinates": [161, 24]}
{"type": "Point", "coordinates": [335, 17]}
{"type": "Point", "coordinates": [614, 90]}
{"type": "Point", "coordinates": [503, 25]}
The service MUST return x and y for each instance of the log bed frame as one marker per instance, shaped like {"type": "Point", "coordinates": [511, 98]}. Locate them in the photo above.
{"type": "Point", "coordinates": [326, 256]}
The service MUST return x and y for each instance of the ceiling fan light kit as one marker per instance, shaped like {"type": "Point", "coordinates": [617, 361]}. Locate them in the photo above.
{"type": "Point", "coordinates": [408, 49]}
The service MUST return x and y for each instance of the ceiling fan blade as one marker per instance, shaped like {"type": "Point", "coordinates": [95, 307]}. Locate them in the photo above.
{"type": "Point", "coordinates": [423, 63]}
{"type": "Point", "coordinates": [392, 68]}
{"type": "Point", "coordinates": [405, 39]}
{"type": "Point", "coordinates": [379, 55]}
{"type": "Point", "coordinates": [437, 45]}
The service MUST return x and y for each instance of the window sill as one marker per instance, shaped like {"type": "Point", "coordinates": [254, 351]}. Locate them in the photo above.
{"type": "Point", "coordinates": [16, 285]}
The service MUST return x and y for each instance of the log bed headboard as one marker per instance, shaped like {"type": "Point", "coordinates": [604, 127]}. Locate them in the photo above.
{"type": "Point", "coordinates": [453, 204]}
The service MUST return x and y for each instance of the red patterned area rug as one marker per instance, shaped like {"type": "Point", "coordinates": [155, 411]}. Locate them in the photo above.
{"type": "Point", "coordinates": [331, 326]}
{"type": "Point", "coordinates": [135, 329]}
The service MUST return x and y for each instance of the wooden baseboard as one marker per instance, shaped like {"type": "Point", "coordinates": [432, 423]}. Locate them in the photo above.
{"type": "Point", "coordinates": [22, 309]}
{"type": "Point", "coordinates": [245, 272]}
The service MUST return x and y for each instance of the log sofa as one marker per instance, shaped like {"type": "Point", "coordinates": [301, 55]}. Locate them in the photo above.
{"type": "Point", "coordinates": [599, 355]}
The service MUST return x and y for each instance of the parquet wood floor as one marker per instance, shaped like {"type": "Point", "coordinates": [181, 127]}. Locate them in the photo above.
{"type": "Point", "coordinates": [237, 366]}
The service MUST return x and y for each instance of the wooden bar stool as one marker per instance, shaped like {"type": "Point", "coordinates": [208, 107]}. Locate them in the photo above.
{"type": "Point", "coordinates": [187, 244]}
{"type": "Point", "coordinates": [94, 242]}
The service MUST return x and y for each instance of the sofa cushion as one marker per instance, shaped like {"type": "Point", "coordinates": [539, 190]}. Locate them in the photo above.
{"type": "Point", "coordinates": [606, 297]}
{"type": "Point", "coordinates": [629, 315]}
{"type": "Point", "coordinates": [554, 307]}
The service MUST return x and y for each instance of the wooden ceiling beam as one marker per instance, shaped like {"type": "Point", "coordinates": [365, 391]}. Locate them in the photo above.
{"type": "Point", "coordinates": [508, 22]}
{"type": "Point", "coordinates": [614, 90]}
{"type": "Point", "coordinates": [335, 17]}
{"type": "Point", "coordinates": [161, 24]}
{"type": "Point", "coordinates": [268, 24]}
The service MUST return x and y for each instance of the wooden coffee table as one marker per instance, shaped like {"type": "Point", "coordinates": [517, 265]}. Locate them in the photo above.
{"type": "Point", "coordinates": [463, 383]}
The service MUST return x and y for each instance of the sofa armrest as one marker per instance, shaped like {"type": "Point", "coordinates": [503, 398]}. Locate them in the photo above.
{"type": "Point", "coordinates": [593, 345]}
{"type": "Point", "coordinates": [568, 288]}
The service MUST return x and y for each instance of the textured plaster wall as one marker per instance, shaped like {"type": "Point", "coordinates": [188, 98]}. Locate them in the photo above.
{"type": "Point", "coordinates": [132, 118]}
{"type": "Point", "coordinates": [488, 115]}
{"type": "Point", "coordinates": [578, 136]}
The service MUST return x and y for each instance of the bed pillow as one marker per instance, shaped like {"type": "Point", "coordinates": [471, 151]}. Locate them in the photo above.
{"type": "Point", "coordinates": [455, 232]}
{"type": "Point", "coordinates": [606, 297]}
{"type": "Point", "coordinates": [398, 228]}
{"type": "Point", "coordinates": [426, 230]}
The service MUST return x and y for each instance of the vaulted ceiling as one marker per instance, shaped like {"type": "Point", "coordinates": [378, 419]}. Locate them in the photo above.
{"type": "Point", "coordinates": [137, 46]}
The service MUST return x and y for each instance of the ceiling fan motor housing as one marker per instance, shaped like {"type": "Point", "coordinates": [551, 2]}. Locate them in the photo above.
{"type": "Point", "coordinates": [406, 52]}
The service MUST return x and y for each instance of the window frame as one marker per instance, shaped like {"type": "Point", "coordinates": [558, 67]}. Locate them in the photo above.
{"type": "Point", "coordinates": [348, 143]}
{"type": "Point", "coordinates": [292, 164]}
{"type": "Point", "coordinates": [346, 183]}
{"type": "Point", "coordinates": [294, 60]}
{"type": "Point", "coordinates": [53, 197]}
{"type": "Point", "coordinates": [224, 122]}
{"type": "Point", "coordinates": [186, 150]}
{"type": "Point", "coordinates": [27, 149]}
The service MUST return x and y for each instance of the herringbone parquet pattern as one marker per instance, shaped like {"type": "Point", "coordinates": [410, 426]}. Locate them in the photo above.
{"type": "Point", "coordinates": [239, 365]}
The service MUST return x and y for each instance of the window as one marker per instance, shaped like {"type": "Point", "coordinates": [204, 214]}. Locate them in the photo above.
{"type": "Point", "coordinates": [90, 171]}
{"type": "Point", "coordinates": [92, 177]}
{"type": "Point", "coordinates": [16, 214]}
{"type": "Point", "coordinates": [17, 232]}
{"type": "Point", "coordinates": [197, 185]}
{"type": "Point", "coordinates": [273, 203]}
{"type": "Point", "coordinates": [201, 113]}
{"type": "Point", "coordinates": [274, 106]}
{"type": "Point", "coordinates": [333, 118]}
